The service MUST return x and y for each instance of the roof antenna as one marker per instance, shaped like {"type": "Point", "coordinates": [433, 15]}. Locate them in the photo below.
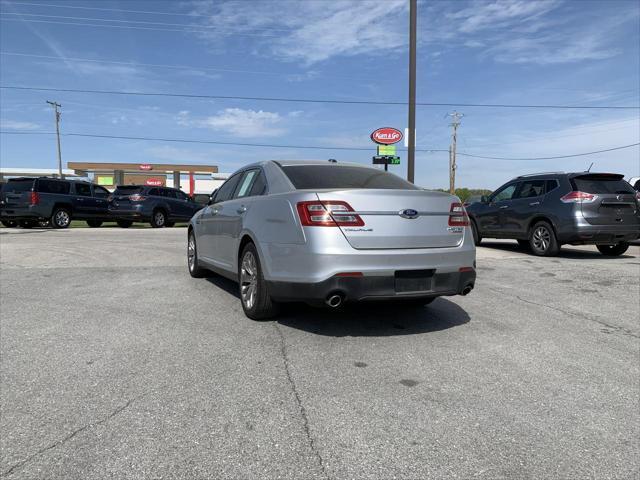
{"type": "Point", "coordinates": [589, 169]}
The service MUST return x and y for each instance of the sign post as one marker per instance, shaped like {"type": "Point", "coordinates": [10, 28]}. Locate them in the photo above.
{"type": "Point", "coordinates": [386, 137]}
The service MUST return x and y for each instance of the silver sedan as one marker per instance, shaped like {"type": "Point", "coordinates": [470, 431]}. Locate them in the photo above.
{"type": "Point", "coordinates": [329, 233]}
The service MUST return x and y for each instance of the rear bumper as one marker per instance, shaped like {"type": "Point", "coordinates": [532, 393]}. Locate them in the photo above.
{"type": "Point", "coordinates": [600, 234]}
{"type": "Point", "coordinates": [24, 213]}
{"type": "Point", "coordinates": [369, 287]}
{"type": "Point", "coordinates": [134, 214]}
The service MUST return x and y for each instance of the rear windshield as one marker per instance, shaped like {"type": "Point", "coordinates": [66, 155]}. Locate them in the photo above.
{"type": "Point", "coordinates": [127, 190]}
{"type": "Point", "coordinates": [601, 184]}
{"type": "Point", "coordinates": [18, 186]}
{"type": "Point", "coordinates": [332, 176]}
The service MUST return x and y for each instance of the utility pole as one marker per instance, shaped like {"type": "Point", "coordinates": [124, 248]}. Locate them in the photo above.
{"type": "Point", "coordinates": [411, 155]}
{"type": "Point", "coordinates": [455, 116]}
{"type": "Point", "coordinates": [56, 106]}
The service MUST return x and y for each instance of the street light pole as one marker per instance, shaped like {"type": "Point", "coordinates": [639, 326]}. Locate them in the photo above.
{"type": "Point", "coordinates": [411, 156]}
{"type": "Point", "coordinates": [56, 106]}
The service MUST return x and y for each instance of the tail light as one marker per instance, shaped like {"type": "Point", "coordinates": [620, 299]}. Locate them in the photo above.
{"type": "Point", "coordinates": [328, 213]}
{"type": "Point", "coordinates": [34, 199]}
{"type": "Point", "coordinates": [458, 216]}
{"type": "Point", "coordinates": [136, 197]}
{"type": "Point", "coordinates": [578, 197]}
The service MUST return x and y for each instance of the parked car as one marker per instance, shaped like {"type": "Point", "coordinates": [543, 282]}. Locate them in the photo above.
{"type": "Point", "coordinates": [635, 183]}
{"type": "Point", "coordinates": [160, 206]}
{"type": "Point", "coordinates": [544, 211]}
{"type": "Point", "coordinates": [40, 201]}
{"type": "Point", "coordinates": [6, 222]}
{"type": "Point", "coordinates": [323, 232]}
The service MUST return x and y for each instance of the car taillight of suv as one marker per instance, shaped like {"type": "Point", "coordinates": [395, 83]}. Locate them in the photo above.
{"type": "Point", "coordinates": [578, 197]}
{"type": "Point", "coordinates": [34, 198]}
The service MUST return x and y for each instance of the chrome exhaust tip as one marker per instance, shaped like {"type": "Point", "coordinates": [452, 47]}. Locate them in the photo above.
{"type": "Point", "coordinates": [334, 300]}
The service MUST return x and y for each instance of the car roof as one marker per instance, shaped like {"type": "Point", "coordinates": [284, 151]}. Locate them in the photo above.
{"type": "Point", "coordinates": [569, 174]}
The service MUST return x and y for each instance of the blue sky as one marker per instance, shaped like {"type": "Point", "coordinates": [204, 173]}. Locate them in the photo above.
{"type": "Point", "coordinates": [583, 53]}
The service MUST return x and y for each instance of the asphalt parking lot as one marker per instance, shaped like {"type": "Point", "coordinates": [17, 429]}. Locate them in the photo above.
{"type": "Point", "coordinates": [115, 363]}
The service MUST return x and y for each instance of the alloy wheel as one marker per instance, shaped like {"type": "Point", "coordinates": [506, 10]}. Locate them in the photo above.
{"type": "Point", "coordinates": [249, 280]}
{"type": "Point", "coordinates": [62, 218]}
{"type": "Point", "coordinates": [191, 252]}
{"type": "Point", "coordinates": [159, 218]}
{"type": "Point", "coordinates": [541, 238]}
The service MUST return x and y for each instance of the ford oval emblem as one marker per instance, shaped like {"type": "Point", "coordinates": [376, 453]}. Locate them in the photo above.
{"type": "Point", "coordinates": [408, 213]}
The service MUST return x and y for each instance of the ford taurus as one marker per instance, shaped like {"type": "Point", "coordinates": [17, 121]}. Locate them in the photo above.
{"type": "Point", "coordinates": [329, 233]}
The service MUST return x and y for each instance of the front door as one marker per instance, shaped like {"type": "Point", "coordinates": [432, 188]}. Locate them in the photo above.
{"type": "Point", "coordinates": [524, 206]}
{"type": "Point", "coordinates": [100, 196]}
{"type": "Point", "coordinates": [494, 214]}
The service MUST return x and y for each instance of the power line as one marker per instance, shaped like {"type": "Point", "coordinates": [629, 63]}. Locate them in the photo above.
{"type": "Point", "coordinates": [554, 157]}
{"type": "Point", "coordinates": [307, 100]}
{"type": "Point", "coordinates": [141, 22]}
{"type": "Point", "coordinates": [131, 27]}
{"type": "Point", "coordinates": [305, 147]}
{"type": "Point", "coordinates": [157, 65]}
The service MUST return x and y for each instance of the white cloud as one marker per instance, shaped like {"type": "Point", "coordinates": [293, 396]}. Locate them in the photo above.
{"type": "Point", "coordinates": [239, 122]}
{"type": "Point", "coordinates": [17, 125]}
{"type": "Point", "coordinates": [311, 32]}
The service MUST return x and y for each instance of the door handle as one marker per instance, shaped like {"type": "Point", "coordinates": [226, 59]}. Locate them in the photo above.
{"type": "Point", "coordinates": [241, 210]}
{"type": "Point", "coordinates": [80, 199]}
{"type": "Point", "coordinates": [504, 206]}
{"type": "Point", "coordinates": [534, 203]}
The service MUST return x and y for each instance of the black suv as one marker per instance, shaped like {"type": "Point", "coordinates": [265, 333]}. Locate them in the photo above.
{"type": "Point", "coordinates": [34, 201]}
{"type": "Point", "coordinates": [544, 211]}
{"type": "Point", "coordinates": [160, 206]}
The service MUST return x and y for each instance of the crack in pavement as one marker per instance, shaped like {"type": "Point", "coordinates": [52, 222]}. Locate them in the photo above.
{"type": "Point", "coordinates": [68, 437]}
{"type": "Point", "coordinates": [303, 411]}
{"type": "Point", "coordinates": [622, 330]}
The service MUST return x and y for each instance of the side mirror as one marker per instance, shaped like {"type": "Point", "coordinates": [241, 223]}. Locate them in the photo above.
{"type": "Point", "coordinates": [484, 199]}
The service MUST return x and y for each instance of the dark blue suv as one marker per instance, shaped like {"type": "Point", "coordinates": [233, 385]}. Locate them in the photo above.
{"type": "Point", "coordinates": [31, 202]}
{"type": "Point", "coordinates": [160, 206]}
{"type": "Point", "coordinates": [544, 211]}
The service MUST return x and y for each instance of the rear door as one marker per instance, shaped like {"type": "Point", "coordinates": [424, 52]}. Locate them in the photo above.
{"type": "Point", "coordinates": [230, 217]}
{"type": "Point", "coordinates": [613, 203]}
{"type": "Point", "coordinates": [84, 204]}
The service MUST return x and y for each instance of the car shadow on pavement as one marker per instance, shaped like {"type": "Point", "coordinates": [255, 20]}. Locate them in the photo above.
{"type": "Point", "coordinates": [565, 252]}
{"type": "Point", "coordinates": [365, 319]}
{"type": "Point", "coordinates": [374, 319]}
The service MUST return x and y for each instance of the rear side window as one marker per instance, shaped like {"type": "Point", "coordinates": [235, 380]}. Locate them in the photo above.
{"type": "Point", "coordinates": [18, 186]}
{"type": "Point", "coordinates": [552, 185]}
{"type": "Point", "coordinates": [53, 186]}
{"type": "Point", "coordinates": [226, 190]}
{"type": "Point", "coordinates": [259, 186]}
{"type": "Point", "coordinates": [531, 188]}
{"type": "Point", "coordinates": [246, 183]}
{"type": "Point", "coordinates": [305, 177]}
{"type": "Point", "coordinates": [83, 189]}
{"type": "Point", "coordinates": [601, 184]}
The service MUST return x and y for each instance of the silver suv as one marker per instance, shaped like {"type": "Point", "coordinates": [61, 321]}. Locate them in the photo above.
{"type": "Point", "coordinates": [323, 232]}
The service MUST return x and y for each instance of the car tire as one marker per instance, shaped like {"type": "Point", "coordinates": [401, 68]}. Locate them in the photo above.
{"type": "Point", "coordinates": [124, 223]}
{"type": "Point", "coordinates": [254, 292]}
{"type": "Point", "coordinates": [10, 223]}
{"type": "Point", "coordinates": [524, 244]}
{"type": "Point", "coordinates": [543, 241]}
{"type": "Point", "coordinates": [195, 270]}
{"type": "Point", "coordinates": [613, 250]}
{"type": "Point", "coordinates": [25, 224]}
{"type": "Point", "coordinates": [61, 218]}
{"type": "Point", "coordinates": [94, 223]}
{"type": "Point", "coordinates": [477, 238]}
{"type": "Point", "coordinates": [158, 219]}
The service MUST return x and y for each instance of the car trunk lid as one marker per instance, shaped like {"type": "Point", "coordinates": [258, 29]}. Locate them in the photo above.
{"type": "Point", "coordinates": [613, 200]}
{"type": "Point", "coordinates": [395, 219]}
{"type": "Point", "coordinates": [17, 193]}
